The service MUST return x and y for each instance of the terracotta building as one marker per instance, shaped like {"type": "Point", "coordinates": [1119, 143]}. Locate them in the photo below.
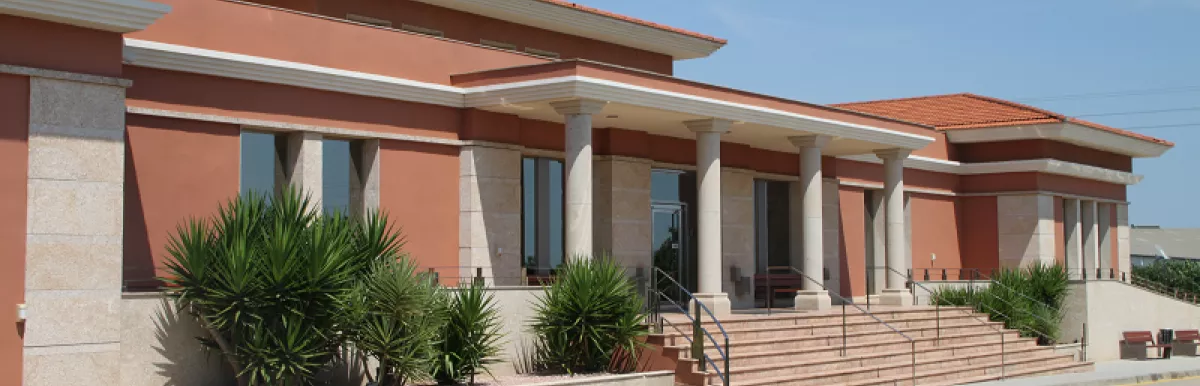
{"type": "Point", "coordinates": [504, 137]}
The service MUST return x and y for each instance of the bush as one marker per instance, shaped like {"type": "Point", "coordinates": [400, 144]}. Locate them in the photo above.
{"type": "Point", "coordinates": [1173, 273]}
{"type": "Point", "coordinates": [1029, 300]}
{"type": "Point", "coordinates": [470, 338]}
{"type": "Point", "coordinates": [590, 320]}
{"type": "Point", "coordinates": [268, 281]}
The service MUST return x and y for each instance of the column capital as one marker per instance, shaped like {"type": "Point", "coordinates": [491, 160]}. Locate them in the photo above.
{"type": "Point", "coordinates": [578, 106]}
{"type": "Point", "coordinates": [809, 141]}
{"type": "Point", "coordinates": [714, 125]}
{"type": "Point", "coordinates": [892, 154]}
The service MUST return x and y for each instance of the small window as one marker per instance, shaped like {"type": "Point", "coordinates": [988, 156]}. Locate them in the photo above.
{"type": "Point", "coordinates": [368, 20]}
{"type": "Point", "coordinates": [262, 156]}
{"type": "Point", "coordinates": [496, 44]}
{"type": "Point", "coordinates": [422, 30]}
{"type": "Point", "coordinates": [548, 54]}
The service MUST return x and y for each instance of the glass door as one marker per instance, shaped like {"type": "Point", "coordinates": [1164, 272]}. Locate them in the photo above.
{"type": "Point", "coordinates": [669, 247]}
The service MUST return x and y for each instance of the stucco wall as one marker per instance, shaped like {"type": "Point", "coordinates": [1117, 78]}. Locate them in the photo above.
{"type": "Point", "coordinates": [417, 184]}
{"type": "Point", "coordinates": [60, 47]}
{"type": "Point", "coordinates": [14, 155]}
{"type": "Point", "coordinates": [935, 230]}
{"type": "Point", "coordinates": [1111, 307]}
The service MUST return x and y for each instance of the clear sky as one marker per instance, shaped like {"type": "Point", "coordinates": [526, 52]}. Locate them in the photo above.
{"type": "Point", "coordinates": [1138, 55]}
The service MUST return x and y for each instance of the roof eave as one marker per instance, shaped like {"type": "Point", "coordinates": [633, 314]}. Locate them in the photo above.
{"type": "Point", "coordinates": [1065, 132]}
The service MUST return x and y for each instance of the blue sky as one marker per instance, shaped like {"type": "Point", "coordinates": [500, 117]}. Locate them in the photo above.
{"type": "Point", "coordinates": [1145, 51]}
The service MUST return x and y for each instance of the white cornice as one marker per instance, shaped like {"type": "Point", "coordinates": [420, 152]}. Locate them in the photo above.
{"type": "Point", "coordinates": [617, 92]}
{"type": "Point", "coordinates": [107, 15]}
{"type": "Point", "coordinates": [165, 56]}
{"type": "Point", "coordinates": [558, 18]}
{"type": "Point", "coordinates": [1050, 166]}
{"type": "Point", "coordinates": [1065, 132]}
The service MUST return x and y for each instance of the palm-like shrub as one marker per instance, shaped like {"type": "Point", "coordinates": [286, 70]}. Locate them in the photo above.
{"type": "Point", "coordinates": [471, 337]}
{"type": "Point", "coordinates": [1029, 300]}
{"type": "Point", "coordinates": [396, 316]}
{"type": "Point", "coordinates": [590, 319]}
{"type": "Point", "coordinates": [269, 281]}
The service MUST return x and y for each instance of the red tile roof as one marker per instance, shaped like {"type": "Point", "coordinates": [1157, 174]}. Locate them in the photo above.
{"type": "Point", "coordinates": [634, 20]}
{"type": "Point", "coordinates": [970, 111]}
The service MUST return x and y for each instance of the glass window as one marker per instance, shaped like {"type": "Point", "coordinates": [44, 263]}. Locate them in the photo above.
{"type": "Point", "coordinates": [335, 176]}
{"type": "Point", "coordinates": [772, 208]}
{"type": "Point", "coordinates": [542, 214]}
{"type": "Point", "coordinates": [664, 185]}
{"type": "Point", "coordinates": [260, 163]}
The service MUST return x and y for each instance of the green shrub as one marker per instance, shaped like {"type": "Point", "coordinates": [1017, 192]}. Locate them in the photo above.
{"type": "Point", "coordinates": [1028, 300]}
{"type": "Point", "coordinates": [471, 337]}
{"type": "Point", "coordinates": [268, 281]}
{"type": "Point", "coordinates": [1174, 273]}
{"type": "Point", "coordinates": [591, 319]}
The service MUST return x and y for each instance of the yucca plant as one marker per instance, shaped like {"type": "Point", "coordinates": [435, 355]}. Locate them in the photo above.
{"type": "Point", "coordinates": [268, 279]}
{"type": "Point", "coordinates": [396, 318]}
{"type": "Point", "coordinates": [591, 319]}
{"type": "Point", "coordinates": [471, 337]}
{"type": "Point", "coordinates": [1029, 300]}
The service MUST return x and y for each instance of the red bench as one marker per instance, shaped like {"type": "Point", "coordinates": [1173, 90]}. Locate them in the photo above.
{"type": "Point", "coordinates": [1136, 343]}
{"type": "Point", "coordinates": [1186, 342]}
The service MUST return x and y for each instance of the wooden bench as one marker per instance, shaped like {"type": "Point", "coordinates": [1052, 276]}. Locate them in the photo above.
{"type": "Point", "coordinates": [773, 284]}
{"type": "Point", "coordinates": [1136, 343]}
{"type": "Point", "coordinates": [1186, 342]}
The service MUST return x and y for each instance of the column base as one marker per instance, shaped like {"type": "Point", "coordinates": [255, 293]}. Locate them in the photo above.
{"type": "Point", "coordinates": [718, 303]}
{"type": "Point", "coordinates": [813, 300]}
{"type": "Point", "coordinates": [896, 297]}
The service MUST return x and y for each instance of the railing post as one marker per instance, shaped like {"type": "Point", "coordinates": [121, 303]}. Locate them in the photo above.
{"type": "Point", "coordinates": [697, 338]}
{"type": "Point", "coordinates": [1083, 344]}
{"type": "Point", "coordinates": [728, 357]}
{"type": "Point", "coordinates": [938, 320]}
{"type": "Point", "coordinates": [434, 275]}
{"type": "Point", "coordinates": [914, 362]}
{"type": "Point", "coordinates": [479, 275]}
{"type": "Point", "coordinates": [843, 328]}
{"type": "Point", "coordinates": [1123, 277]}
{"type": "Point", "coordinates": [770, 292]}
{"type": "Point", "coordinates": [1112, 273]}
{"type": "Point", "coordinates": [1003, 353]}
{"type": "Point", "coordinates": [926, 274]}
{"type": "Point", "coordinates": [944, 275]}
{"type": "Point", "coordinates": [1098, 273]}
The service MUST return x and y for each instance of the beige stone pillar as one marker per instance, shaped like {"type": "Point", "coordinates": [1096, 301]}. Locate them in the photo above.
{"type": "Point", "coordinates": [737, 236]}
{"type": "Point", "coordinates": [832, 235]}
{"type": "Point", "coordinates": [303, 166]}
{"type": "Point", "coordinates": [1104, 238]}
{"type": "Point", "coordinates": [490, 213]}
{"type": "Point", "coordinates": [876, 242]}
{"type": "Point", "coordinates": [578, 170]}
{"type": "Point", "coordinates": [623, 218]}
{"type": "Point", "coordinates": [897, 243]}
{"type": "Point", "coordinates": [1091, 238]}
{"type": "Point", "coordinates": [1073, 237]}
{"type": "Point", "coordinates": [1026, 229]}
{"type": "Point", "coordinates": [1123, 263]}
{"type": "Point", "coordinates": [708, 240]}
{"type": "Point", "coordinates": [813, 295]}
{"type": "Point", "coordinates": [364, 176]}
{"type": "Point", "coordinates": [73, 255]}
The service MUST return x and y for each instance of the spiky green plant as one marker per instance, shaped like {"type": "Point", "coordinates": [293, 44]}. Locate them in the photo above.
{"type": "Point", "coordinates": [471, 337]}
{"type": "Point", "coordinates": [396, 317]}
{"type": "Point", "coordinates": [1029, 300]}
{"type": "Point", "coordinates": [268, 281]}
{"type": "Point", "coordinates": [591, 318]}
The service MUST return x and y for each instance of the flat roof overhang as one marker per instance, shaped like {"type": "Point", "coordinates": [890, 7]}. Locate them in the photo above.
{"type": "Point", "coordinates": [1068, 132]}
{"type": "Point", "coordinates": [659, 104]}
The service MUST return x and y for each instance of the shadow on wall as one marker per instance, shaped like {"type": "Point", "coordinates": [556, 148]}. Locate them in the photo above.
{"type": "Point", "coordinates": [159, 347]}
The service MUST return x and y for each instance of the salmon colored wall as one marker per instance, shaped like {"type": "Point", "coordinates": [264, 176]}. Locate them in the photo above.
{"type": "Point", "coordinates": [14, 161]}
{"type": "Point", "coordinates": [979, 233]}
{"type": "Point", "coordinates": [1032, 181]}
{"type": "Point", "coordinates": [471, 28]}
{"type": "Point", "coordinates": [418, 189]}
{"type": "Point", "coordinates": [174, 169]}
{"type": "Point", "coordinates": [853, 234]}
{"type": "Point", "coordinates": [872, 173]}
{"type": "Point", "coordinates": [1060, 232]}
{"type": "Point", "coordinates": [204, 94]}
{"type": "Point", "coordinates": [935, 230]}
{"type": "Point", "coordinates": [43, 44]}
{"type": "Point", "coordinates": [621, 142]}
{"type": "Point", "coordinates": [290, 36]}
{"type": "Point", "coordinates": [1039, 149]}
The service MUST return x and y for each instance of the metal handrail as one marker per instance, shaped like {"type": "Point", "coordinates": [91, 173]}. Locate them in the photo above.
{"type": "Point", "coordinates": [1003, 349]}
{"type": "Point", "coordinates": [697, 342]}
{"type": "Point", "coordinates": [845, 301]}
{"type": "Point", "coordinates": [992, 281]}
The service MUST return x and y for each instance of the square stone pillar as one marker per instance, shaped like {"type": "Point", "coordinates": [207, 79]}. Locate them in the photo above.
{"type": "Point", "coordinates": [622, 212]}
{"type": "Point", "coordinates": [1105, 238]}
{"type": "Point", "coordinates": [1026, 229]}
{"type": "Point", "coordinates": [1123, 263]}
{"type": "Point", "coordinates": [1073, 235]}
{"type": "Point", "coordinates": [831, 235]}
{"type": "Point", "coordinates": [1091, 238]}
{"type": "Point", "coordinates": [364, 176]}
{"type": "Point", "coordinates": [74, 238]}
{"type": "Point", "coordinates": [876, 242]}
{"type": "Point", "coordinates": [304, 165]}
{"type": "Point", "coordinates": [737, 236]}
{"type": "Point", "coordinates": [490, 213]}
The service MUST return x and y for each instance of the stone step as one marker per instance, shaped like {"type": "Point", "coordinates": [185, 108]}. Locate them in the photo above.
{"type": "Point", "coordinates": [885, 341]}
{"type": "Point", "coordinates": [832, 327]}
{"type": "Point", "coordinates": [741, 321]}
{"type": "Point", "coordinates": [869, 350]}
{"type": "Point", "coordinates": [1025, 371]}
{"type": "Point", "coordinates": [862, 333]}
{"type": "Point", "coordinates": [943, 370]}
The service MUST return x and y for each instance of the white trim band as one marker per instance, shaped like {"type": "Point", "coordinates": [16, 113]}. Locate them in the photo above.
{"type": "Point", "coordinates": [106, 15]}
{"type": "Point", "coordinates": [1046, 165]}
{"type": "Point", "coordinates": [1065, 132]}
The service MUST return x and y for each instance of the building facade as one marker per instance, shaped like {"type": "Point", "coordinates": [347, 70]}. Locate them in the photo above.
{"type": "Point", "coordinates": [504, 137]}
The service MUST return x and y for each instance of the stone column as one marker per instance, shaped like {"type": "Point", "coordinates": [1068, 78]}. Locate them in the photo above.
{"type": "Point", "coordinates": [490, 213]}
{"type": "Point", "coordinates": [578, 181]}
{"type": "Point", "coordinates": [1123, 263]}
{"type": "Point", "coordinates": [897, 245]}
{"type": "Point", "coordinates": [813, 295]}
{"type": "Point", "coordinates": [1091, 238]}
{"type": "Point", "coordinates": [73, 255]}
{"type": "Point", "coordinates": [303, 165]}
{"type": "Point", "coordinates": [1073, 235]}
{"type": "Point", "coordinates": [708, 183]}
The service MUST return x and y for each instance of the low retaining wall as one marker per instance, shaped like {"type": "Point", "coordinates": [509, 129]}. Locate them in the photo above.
{"type": "Point", "coordinates": [653, 378]}
{"type": "Point", "coordinates": [1111, 307]}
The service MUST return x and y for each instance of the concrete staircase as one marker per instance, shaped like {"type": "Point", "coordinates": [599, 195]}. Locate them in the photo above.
{"type": "Point", "coordinates": [801, 349]}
